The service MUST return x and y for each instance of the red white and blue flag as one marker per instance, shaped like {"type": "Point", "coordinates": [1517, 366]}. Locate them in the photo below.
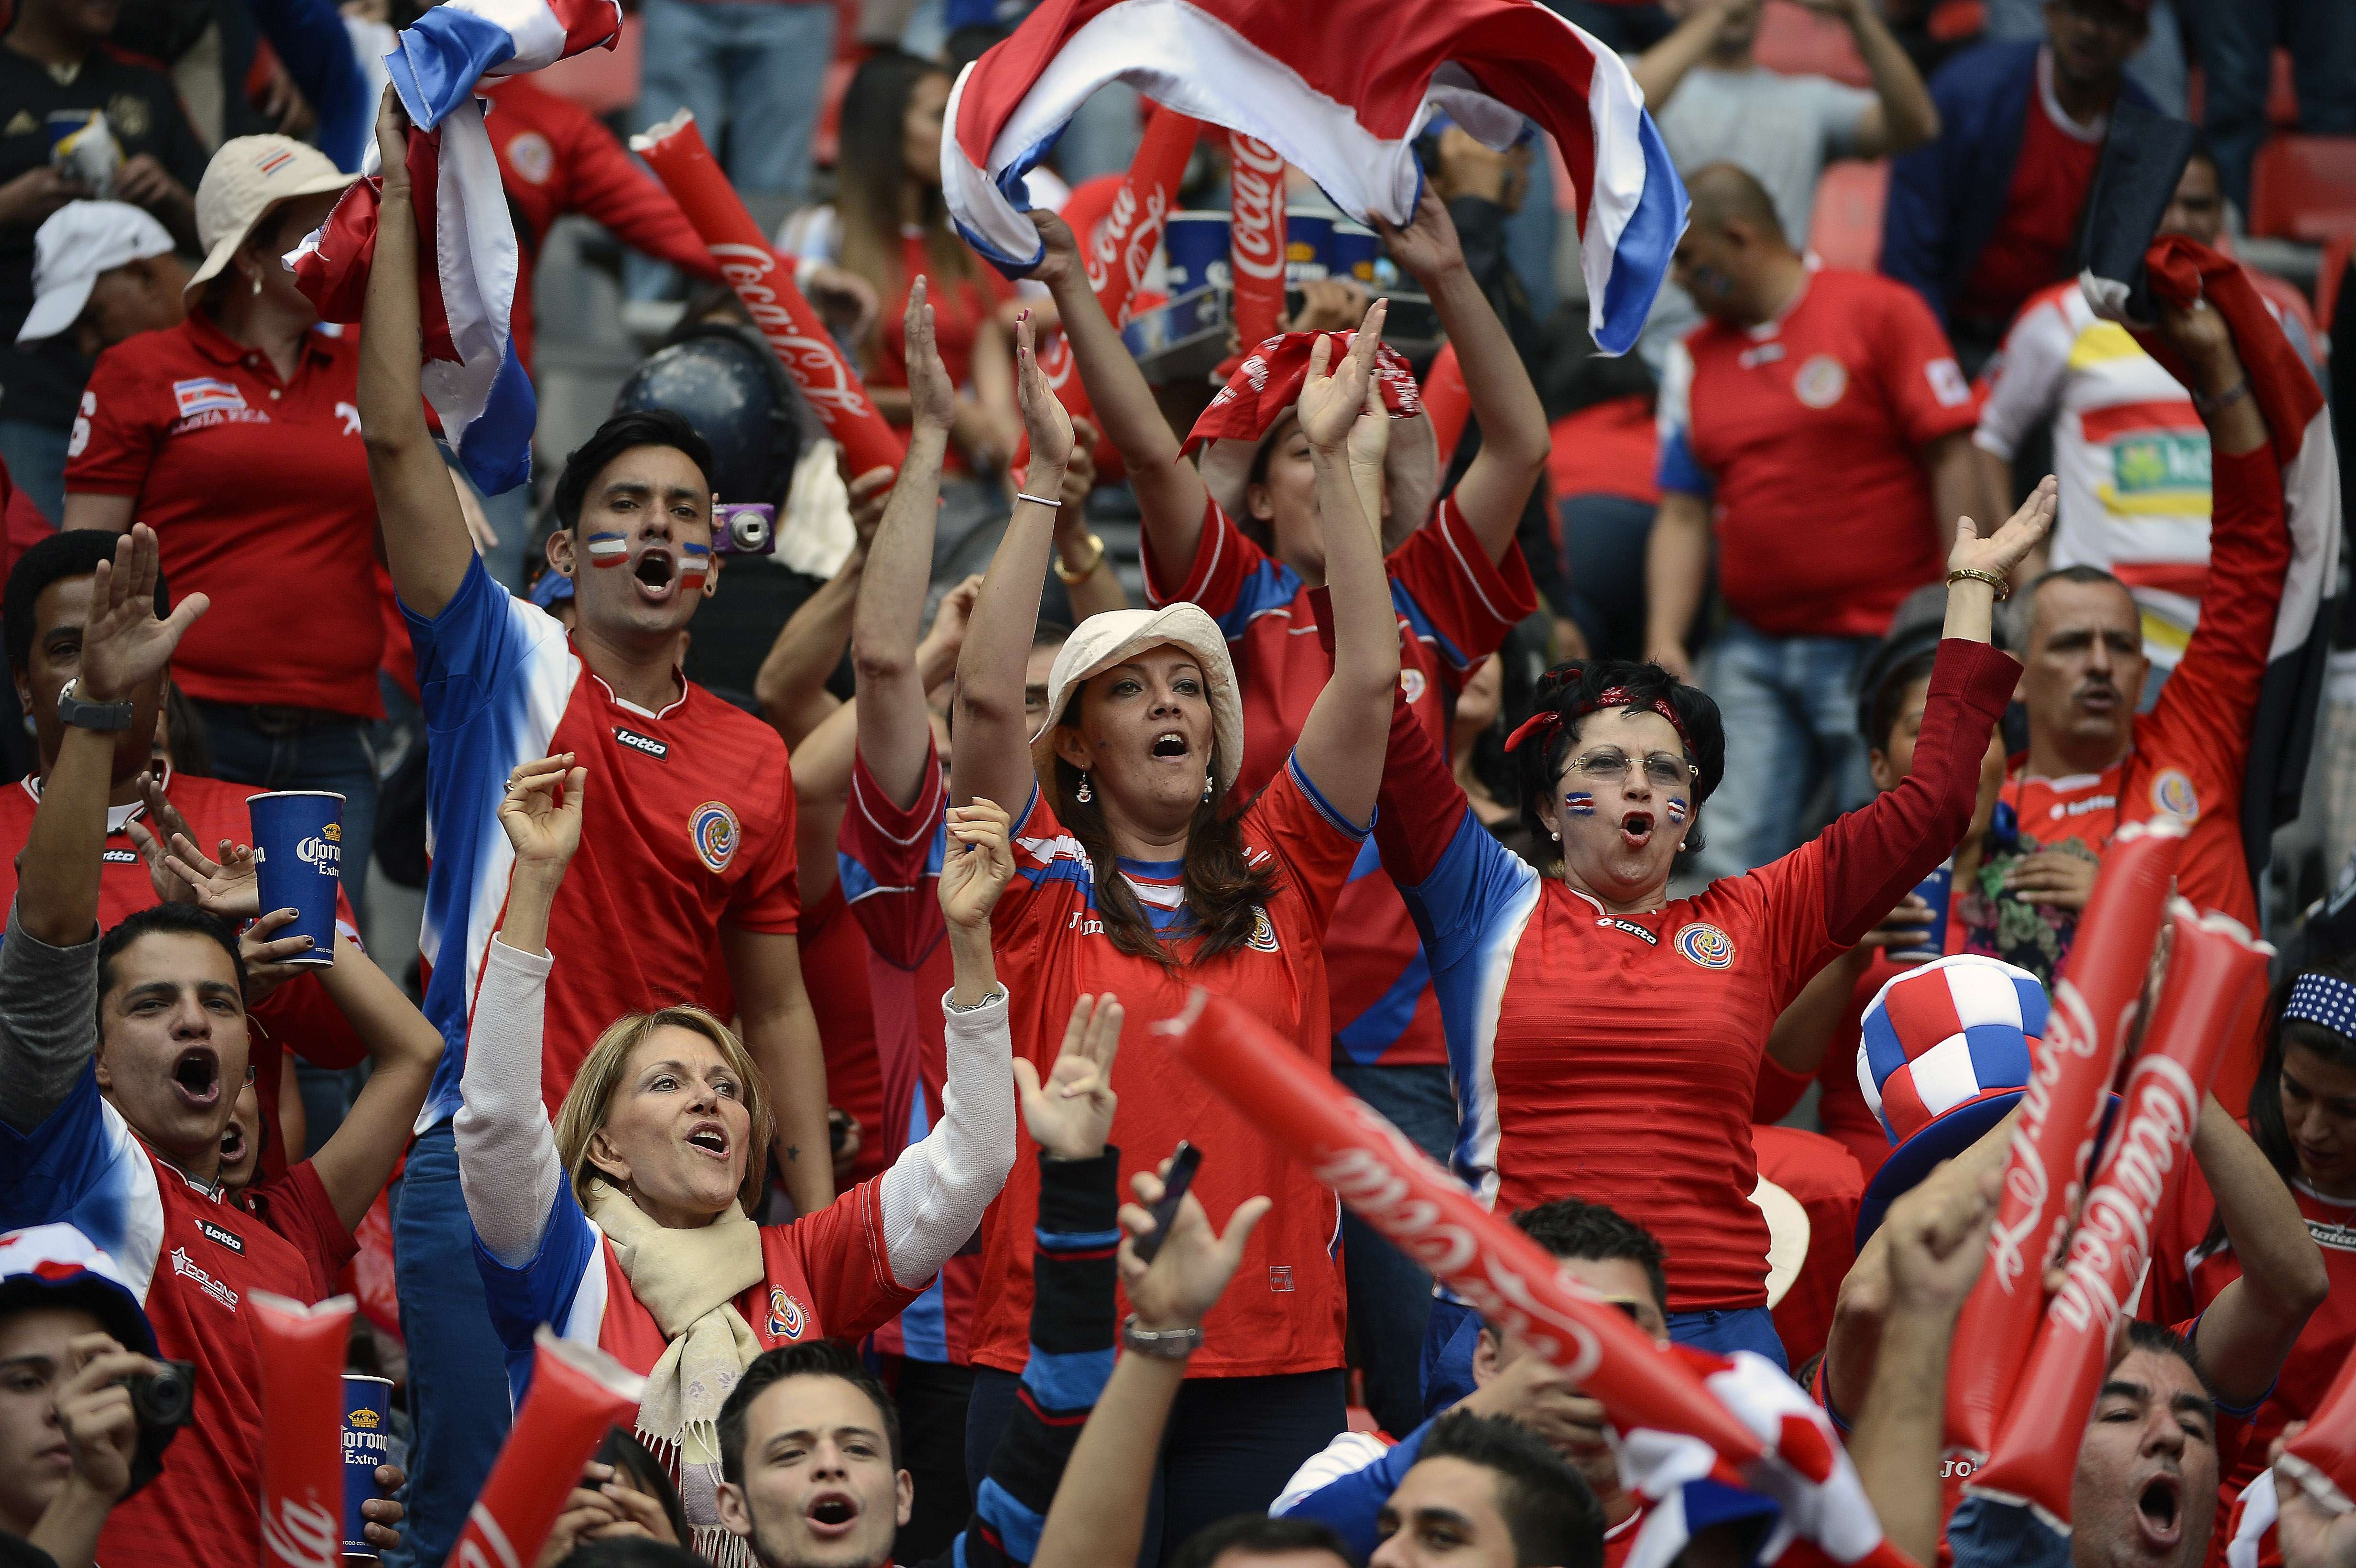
{"type": "Point", "coordinates": [1342, 89]}
{"type": "Point", "coordinates": [468, 259]}
{"type": "Point", "coordinates": [205, 395]}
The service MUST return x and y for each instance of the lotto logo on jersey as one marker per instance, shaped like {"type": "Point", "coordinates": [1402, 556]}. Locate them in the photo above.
{"type": "Point", "coordinates": [636, 743]}
{"type": "Point", "coordinates": [205, 395]}
{"type": "Point", "coordinates": [714, 829]}
{"type": "Point", "coordinates": [1263, 936]}
{"type": "Point", "coordinates": [2172, 790]}
{"type": "Point", "coordinates": [1705, 945]}
{"type": "Point", "coordinates": [220, 1236]}
{"type": "Point", "coordinates": [787, 1317]}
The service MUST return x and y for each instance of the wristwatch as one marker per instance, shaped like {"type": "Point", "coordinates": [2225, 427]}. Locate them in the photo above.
{"type": "Point", "coordinates": [1164, 1344]}
{"type": "Point", "coordinates": [73, 710]}
{"type": "Point", "coordinates": [1074, 576]}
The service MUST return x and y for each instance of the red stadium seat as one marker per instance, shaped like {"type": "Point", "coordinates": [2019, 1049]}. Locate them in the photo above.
{"type": "Point", "coordinates": [1798, 42]}
{"type": "Point", "coordinates": [2303, 187]}
{"type": "Point", "coordinates": [601, 80]}
{"type": "Point", "coordinates": [1847, 229]}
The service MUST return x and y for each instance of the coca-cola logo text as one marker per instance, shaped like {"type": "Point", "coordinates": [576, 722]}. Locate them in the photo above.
{"type": "Point", "coordinates": [484, 1544]}
{"type": "Point", "coordinates": [813, 363]}
{"type": "Point", "coordinates": [1255, 207]}
{"type": "Point", "coordinates": [2114, 1237]}
{"type": "Point", "coordinates": [301, 1535]}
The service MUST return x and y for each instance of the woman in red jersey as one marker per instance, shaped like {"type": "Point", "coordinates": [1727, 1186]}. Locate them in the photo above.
{"type": "Point", "coordinates": [1606, 1038]}
{"type": "Point", "coordinates": [2302, 1116]}
{"type": "Point", "coordinates": [1135, 872]}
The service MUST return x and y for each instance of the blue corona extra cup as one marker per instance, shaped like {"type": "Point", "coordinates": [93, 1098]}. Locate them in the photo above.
{"type": "Point", "coordinates": [1308, 244]}
{"type": "Point", "coordinates": [368, 1435]}
{"type": "Point", "coordinates": [1194, 245]}
{"type": "Point", "coordinates": [1938, 890]}
{"type": "Point", "coordinates": [1353, 251]}
{"type": "Point", "coordinates": [298, 851]}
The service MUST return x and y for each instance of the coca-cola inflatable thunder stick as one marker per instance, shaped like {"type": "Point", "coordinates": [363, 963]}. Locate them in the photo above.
{"type": "Point", "coordinates": [577, 1393]}
{"type": "Point", "coordinates": [1255, 236]}
{"type": "Point", "coordinates": [302, 1358]}
{"type": "Point", "coordinates": [765, 282]}
{"type": "Point", "coordinates": [2069, 1077]}
{"type": "Point", "coordinates": [2213, 965]}
{"type": "Point", "coordinates": [1396, 1188]}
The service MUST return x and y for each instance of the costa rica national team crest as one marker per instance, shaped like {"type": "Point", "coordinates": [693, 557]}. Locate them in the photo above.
{"type": "Point", "coordinates": [2172, 790]}
{"type": "Point", "coordinates": [714, 829]}
{"type": "Point", "coordinates": [787, 1317]}
{"type": "Point", "coordinates": [1263, 932]}
{"type": "Point", "coordinates": [1705, 945]}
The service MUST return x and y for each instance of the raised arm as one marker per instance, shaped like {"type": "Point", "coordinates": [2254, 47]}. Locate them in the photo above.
{"type": "Point", "coordinates": [1341, 742]}
{"type": "Point", "coordinates": [1660, 69]}
{"type": "Point", "coordinates": [1901, 117]}
{"type": "Point", "coordinates": [507, 1165]}
{"type": "Point", "coordinates": [993, 756]}
{"type": "Point", "coordinates": [1169, 491]}
{"type": "Point", "coordinates": [426, 545]}
{"type": "Point", "coordinates": [894, 729]}
{"type": "Point", "coordinates": [2246, 1334]}
{"type": "Point", "coordinates": [1513, 439]}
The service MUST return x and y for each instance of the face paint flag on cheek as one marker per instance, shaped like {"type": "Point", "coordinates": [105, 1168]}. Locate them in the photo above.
{"type": "Point", "coordinates": [608, 550]}
{"type": "Point", "coordinates": [1579, 803]}
{"type": "Point", "coordinates": [1677, 812]}
{"type": "Point", "coordinates": [697, 561]}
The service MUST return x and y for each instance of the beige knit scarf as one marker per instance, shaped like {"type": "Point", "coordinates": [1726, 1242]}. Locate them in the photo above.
{"type": "Point", "coordinates": [687, 1280]}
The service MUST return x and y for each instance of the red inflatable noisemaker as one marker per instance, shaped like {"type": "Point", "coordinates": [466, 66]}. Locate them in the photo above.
{"type": "Point", "coordinates": [302, 1358]}
{"type": "Point", "coordinates": [578, 1393]}
{"type": "Point", "coordinates": [1425, 1212]}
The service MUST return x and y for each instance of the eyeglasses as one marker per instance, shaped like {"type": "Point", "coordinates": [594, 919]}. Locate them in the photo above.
{"type": "Point", "coordinates": [1611, 767]}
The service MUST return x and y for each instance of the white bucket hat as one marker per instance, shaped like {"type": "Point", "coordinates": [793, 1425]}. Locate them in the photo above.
{"type": "Point", "coordinates": [247, 177]}
{"type": "Point", "coordinates": [72, 247]}
{"type": "Point", "coordinates": [1103, 641]}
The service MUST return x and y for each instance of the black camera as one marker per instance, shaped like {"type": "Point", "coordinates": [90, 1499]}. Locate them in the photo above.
{"type": "Point", "coordinates": [165, 1399]}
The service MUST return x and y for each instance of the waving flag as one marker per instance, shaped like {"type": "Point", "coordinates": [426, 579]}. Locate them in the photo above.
{"type": "Point", "coordinates": [1303, 80]}
{"type": "Point", "coordinates": [468, 261]}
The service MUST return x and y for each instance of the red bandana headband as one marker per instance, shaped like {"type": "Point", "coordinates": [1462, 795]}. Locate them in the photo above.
{"type": "Point", "coordinates": [1270, 379]}
{"type": "Point", "coordinates": [1542, 725]}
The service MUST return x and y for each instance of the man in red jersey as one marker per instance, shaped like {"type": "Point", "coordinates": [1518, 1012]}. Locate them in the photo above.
{"type": "Point", "coordinates": [123, 1058]}
{"type": "Point", "coordinates": [1801, 379]}
{"type": "Point", "coordinates": [688, 854]}
{"type": "Point", "coordinates": [2093, 762]}
{"type": "Point", "coordinates": [47, 605]}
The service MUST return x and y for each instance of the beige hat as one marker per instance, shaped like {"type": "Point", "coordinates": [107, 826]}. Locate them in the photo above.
{"type": "Point", "coordinates": [1787, 1237]}
{"type": "Point", "coordinates": [1410, 473]}
{"type": "Point", "coordinates": [1106, 640]}
{"type": "Point", "coordinates": [247, 177]}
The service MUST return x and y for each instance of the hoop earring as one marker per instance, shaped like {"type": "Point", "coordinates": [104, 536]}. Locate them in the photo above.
{"type": "Point", "coordinates": [1084, 794]}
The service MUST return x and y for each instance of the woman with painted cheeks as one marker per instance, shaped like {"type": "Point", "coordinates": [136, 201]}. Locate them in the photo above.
{"type": "Point", "coordinates": [1605, 1038]}
{"type": "Point", "coordinates": [1135, 872]}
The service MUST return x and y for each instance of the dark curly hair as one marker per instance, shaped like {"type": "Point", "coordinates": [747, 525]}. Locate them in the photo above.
{"type": "Point", "coordinates": [1571, 691]}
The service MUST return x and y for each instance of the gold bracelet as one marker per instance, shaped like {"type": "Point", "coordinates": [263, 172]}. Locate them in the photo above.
{"type": "Point", "coordinates": [1073, 577]}
{"type": "Point", "coordinates": [2003, 589]}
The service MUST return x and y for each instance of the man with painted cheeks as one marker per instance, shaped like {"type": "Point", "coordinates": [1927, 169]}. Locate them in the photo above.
{"type": "Point", "coordinates": [691, 830]}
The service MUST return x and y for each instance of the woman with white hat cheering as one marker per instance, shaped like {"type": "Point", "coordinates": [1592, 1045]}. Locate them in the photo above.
{"type": "Point", "coordinates": [1135, 873]}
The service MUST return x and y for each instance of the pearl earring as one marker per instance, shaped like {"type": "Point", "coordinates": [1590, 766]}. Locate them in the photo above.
{"type": "Point", "coordinates": [1084, 794]}
{"type": "Point", "coordinates": [1556, 837]}
{"type": "Point", "coordinates": [257, 282]}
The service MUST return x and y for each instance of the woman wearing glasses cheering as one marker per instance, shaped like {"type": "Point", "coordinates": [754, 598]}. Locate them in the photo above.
{"type": "Point", "coordinates": [1603, 1038]}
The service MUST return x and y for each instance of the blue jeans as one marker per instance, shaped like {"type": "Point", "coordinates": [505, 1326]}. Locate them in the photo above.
{"type": "Point", "coordinates": [2238, 40]}
{"type": "Point", "coordinates": [1390, 1295]}
{"type": "Point", "coordinates": [753, 72]}
{"type": "Point", "coordinates": [1455, 1330]}
{"type": "Point", "coordinates": [1231, 1445]}
{"type": "Point", "coordinates": [334, 754]}
{"type": "Point", "coordinates": [1790, 708]}
{"type": "Point", "coordinates": [35, 457]}
{"type": "Point", "coordinates": [458, 1369]}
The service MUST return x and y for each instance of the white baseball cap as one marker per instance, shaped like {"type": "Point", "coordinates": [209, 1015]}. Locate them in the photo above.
{"type": "Point", "coordinates": [247, 177]}
{"type": "Point", "coordinates": [1103, 641]}
{"type": "Point", "coordinates": [79, 241]}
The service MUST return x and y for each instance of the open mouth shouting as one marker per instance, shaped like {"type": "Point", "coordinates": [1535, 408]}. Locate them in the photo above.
{"type": "Point", "coordinates": [657, 573]}
{"type": "Point", "coordinates": [709, 1138]}
{"type": "Point", "coordinates": [1168, 745]}
{"type": "Point", "coordinates": [2159, 1511]}
{"type": "Point", "coordinates": [831, 1515]}
{"type": "Point", "coordinates": [232, 1143]}
{"type": "Point", "coordinates": [1636, 829]}
{"type": "Point", "coordinates": [196, 1077]}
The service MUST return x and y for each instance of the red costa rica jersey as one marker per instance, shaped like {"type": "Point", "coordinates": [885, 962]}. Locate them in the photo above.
{"type": "Point", "coordinates": [889, 865]}
{"type": "Point", "coordinates": [1853, 380]}
{"type": "Point", "coordinates": [834, 956]}
{"type": "Point", "coordinates": [2188, 1272]}
{"type": "Point", "coordinates": [296, 1015]}
{"type": "Point", "coordinates": [1283, 1311]}
{"type": "Point", "coordinates": [1455, 608]}
{"type": "Point", "coordinates": [258, 491]}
